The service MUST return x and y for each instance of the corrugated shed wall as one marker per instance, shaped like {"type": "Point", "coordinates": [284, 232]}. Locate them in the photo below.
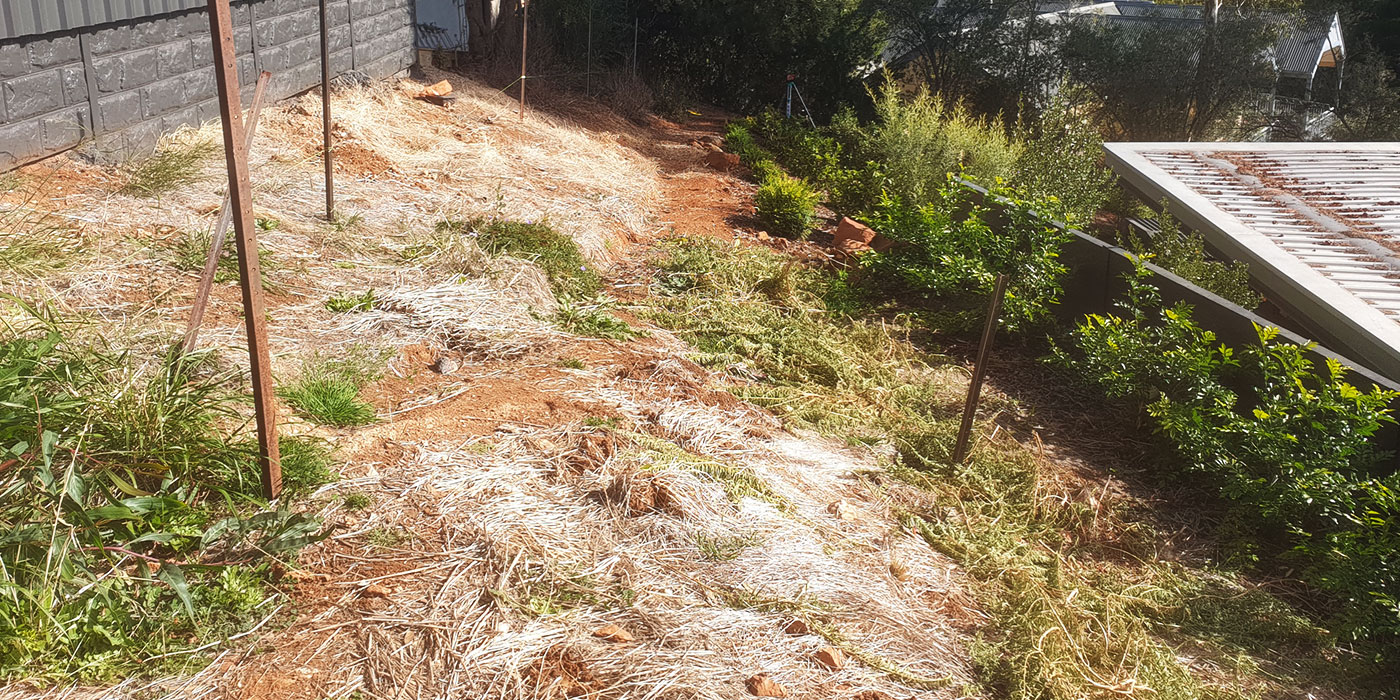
{"type": "Point", "coordinates": [28, 17]}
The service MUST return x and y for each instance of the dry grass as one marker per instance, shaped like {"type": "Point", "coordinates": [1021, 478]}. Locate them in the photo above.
{"type": "Point", "coordinates": [507, 553]}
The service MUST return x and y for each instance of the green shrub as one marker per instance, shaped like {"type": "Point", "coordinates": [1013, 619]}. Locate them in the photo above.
{"type": "Point", "coordinates": [1184, 254]}
{"type": "Point", "coordinates": [786, 205]}
{"type": "Point", "coordinates": [766, 169]}
{"type": "Point", "coordinates": [1063, 158]}
{"type": "Point", "coordinates": [1289, 444]}
{"type": "Point", "coordinates": [855, 192]}
{"type": "Point", "coordinates": [740, 142]}
{"type": "Point", "coordinates": [946, 251]}
{"type": "Point", "coordinates": [920, 140]}
{"type": "Point", "coordinates": [555, 253]}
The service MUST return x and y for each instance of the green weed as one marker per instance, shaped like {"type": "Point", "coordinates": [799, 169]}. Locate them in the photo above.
{"type": "Point", "coordinates": [350, 302]}
{"type": "Point", "coordinates": [572, 363]}
{"type": "Point", "coordinates": [724, 547]}
{"type": "Point", "coordinates": [125, 506]}
{"type": "Point", "coordinates": [541, 590]}
{"type": "Point", "coordinates": [190, 253]}
{"type": "Point", "coordinates": [738, 482]}
{"type": "Point", "coordinates": [306, 464]}
{"type": "Point", "coordinates": [356, 500]}
{"type": "Point", "coordinates": [341, 222]}
{"type": "Point", "coordinates": [31, 240]}
{"type": "Point", "coordinates": [387, 537]}
{"type": "Point", "coordinates": [593, 320]}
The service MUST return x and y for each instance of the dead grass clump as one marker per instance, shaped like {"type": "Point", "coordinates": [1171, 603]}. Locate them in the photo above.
{"type": "Point", "coordinates": [468, 316]}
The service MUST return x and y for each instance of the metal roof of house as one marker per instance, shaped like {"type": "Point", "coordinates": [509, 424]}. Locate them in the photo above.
{"type": "Point", "coordinates": [1318, 223]}
{"type": "Point", "coordinates": [1299, 51]}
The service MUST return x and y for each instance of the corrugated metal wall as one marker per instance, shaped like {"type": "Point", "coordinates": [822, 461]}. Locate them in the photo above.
{"type": "Point", "coordinates": [29, 17]}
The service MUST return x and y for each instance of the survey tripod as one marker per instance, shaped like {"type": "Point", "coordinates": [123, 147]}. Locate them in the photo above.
{"type": "Point", "coordinates": [792, 90]}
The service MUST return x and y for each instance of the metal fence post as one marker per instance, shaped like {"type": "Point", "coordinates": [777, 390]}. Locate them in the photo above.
{"type": "Point", "coordinates": [241, 204]}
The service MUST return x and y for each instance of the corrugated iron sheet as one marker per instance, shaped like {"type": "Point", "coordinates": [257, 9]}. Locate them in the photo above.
{"type": "Point", "coordinates": [1320, 221]}
{"type": "Point", "coordinates": [20, 18]}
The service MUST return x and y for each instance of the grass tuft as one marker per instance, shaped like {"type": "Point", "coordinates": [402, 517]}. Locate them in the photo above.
{"type": "Point", "coordinates": [175, 163]}
{"type": "Point", "coordinates": [556, 254]}
{"type": "Point", "coordinates": [328, 390]}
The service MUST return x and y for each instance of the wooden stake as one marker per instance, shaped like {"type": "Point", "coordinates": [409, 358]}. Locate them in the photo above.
{"type": "Point", "coordinates": [979, 371]}
{"type": "Point", "coordinates": [524, 46]}
{"type": "Point", "coordinates": [216, 245]}
{"type": "Point", "coordinates": [327, 143]}
{"type": "Point", "coordinates": [241, 203]}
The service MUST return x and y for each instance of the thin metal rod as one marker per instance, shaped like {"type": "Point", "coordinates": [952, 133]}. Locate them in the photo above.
{"type": "Point", "coordinates": [216, 244]}
{"type": "Point", "coordinates": [241, 203]}
{"type": "Point", "coordinates": [328, 145]}
{"type": "Point", "coordinates": [636, 37]}
{"type": "Point", "coordinates": [979, 371]}
{"type": "Point", "coordinates": [803, 100]}
{"type": "Point", "coordinates": [588, 80]}
{"type": "Point", "coordinates": [524, 50]}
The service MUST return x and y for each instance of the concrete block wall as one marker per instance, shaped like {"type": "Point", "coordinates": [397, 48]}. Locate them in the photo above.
{"type": "Point", "coordinates": [114, 89]}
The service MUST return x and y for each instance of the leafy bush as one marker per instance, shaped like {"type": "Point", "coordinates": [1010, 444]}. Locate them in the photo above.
{"type": "Point", "coordinates": [555, 253]}
{"type": "Point", "coordinates": [1290, 445]}
{"type": "Point", "coordinates": [786, 205]}
{"type": "Point", "coordinates": [1184, 254]}
{"type": "Point", "coordinates": [118, 481]}
{"type": "Point", "coordinates": [946, 250]}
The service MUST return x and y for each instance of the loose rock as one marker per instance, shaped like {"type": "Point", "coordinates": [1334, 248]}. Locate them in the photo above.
{"type": "Point", "coordinates": [830, 657]}
{"type": "Point", "coordinates": [764, 686]}
{"type": "Point", "coordinates": [613, 633]}
{"type": "Point", "coordinates": [797, 628]}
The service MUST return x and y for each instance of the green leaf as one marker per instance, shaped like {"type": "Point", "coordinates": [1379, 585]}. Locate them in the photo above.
{"type": "Point", "coordinates": [175, 578]}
